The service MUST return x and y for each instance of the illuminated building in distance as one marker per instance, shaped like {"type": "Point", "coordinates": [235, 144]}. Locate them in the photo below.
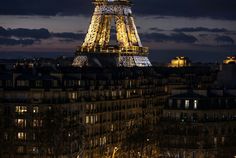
{"type": "Point", "coordinates": [180, 62]}
{"type": "Point", "coordinates": [230, 60]}
{"type": "Point", "coordinates": [97, 48]}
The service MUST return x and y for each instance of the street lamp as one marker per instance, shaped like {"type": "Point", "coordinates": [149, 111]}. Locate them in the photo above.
{"type": "Point", "coordinates": [114, 152]}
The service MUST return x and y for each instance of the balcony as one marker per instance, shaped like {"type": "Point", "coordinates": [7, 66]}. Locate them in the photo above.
{"type": "Point", "coordinates": [133, 50]}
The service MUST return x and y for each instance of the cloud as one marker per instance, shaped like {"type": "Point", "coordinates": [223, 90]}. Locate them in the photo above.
{"type": "Point", "coordinates": [25, 33]}
{"type": "Point", "coordinates": [23, 36]}
{"type": "Point", "coordinates": [174, 37]}
{"type": "Point", "coordinates": [201, 29]}
{"type": "Point", "coordinates": [222, 9]}
{"type": "Point", "coordinates": [14, 42]}
{"type": "Point", "coordinates": [69, 35]}
{"type": "Point", "coordinates": [224, 40]}
{"type": "Point", "coordinates": [45, 7]}
{"type": "Point", "coordinates": [155, 29]}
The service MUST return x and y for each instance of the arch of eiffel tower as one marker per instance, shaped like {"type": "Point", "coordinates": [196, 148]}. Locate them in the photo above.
{"type": "Point", "coordinates": [97, 49]}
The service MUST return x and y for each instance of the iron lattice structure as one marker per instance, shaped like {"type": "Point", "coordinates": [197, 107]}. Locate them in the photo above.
{"type": "Point", "coordinates": [127, 52]}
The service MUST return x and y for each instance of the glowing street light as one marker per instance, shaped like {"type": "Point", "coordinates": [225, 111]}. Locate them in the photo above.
{"type": "Point", "coordinates": [114, 152]}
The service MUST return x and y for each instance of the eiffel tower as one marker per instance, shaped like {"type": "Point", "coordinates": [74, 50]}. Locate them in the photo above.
{"type": "Point", "coordinates": [97, 49]}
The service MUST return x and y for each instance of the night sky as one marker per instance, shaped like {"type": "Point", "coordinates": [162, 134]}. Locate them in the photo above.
{"type": "Point", "coordinates": [204, 30]}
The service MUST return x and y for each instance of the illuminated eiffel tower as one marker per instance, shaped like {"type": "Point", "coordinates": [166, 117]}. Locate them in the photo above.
{"type": "Point", "coordinates": [97, 49]}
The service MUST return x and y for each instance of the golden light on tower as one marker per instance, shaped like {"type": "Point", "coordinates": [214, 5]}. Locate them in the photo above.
{"type": "Point", "coordinates": [128, 50]}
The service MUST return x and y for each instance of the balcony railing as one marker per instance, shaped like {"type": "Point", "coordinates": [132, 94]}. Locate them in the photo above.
{"type": "Point", "coordinates": [133, 50]}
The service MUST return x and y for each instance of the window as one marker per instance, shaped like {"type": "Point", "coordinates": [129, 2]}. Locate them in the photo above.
{"type": "Point", "coordinates": [22, 95]}
{"type": "Point", "coordinates": [113, 93]}
{"type": "Point", "coordinates": [195, 103]}
{"type": "Point", "coordinates": [22, 83]}
{"type": "Point", "coordinates": [223, 140]}
{"type": "Point", "coordinates": [37, 123]}
{"type": "Point", "coordinates": [87, 119]}
{"type": "Point", "coordinates": [20, 123]}
{"type": "Point", "coordinates": [21, 109]}
{"type": "Point", "coordinates": [178, 103]}
{"type": "Point", "coordinates": [103, 140]}
{"type": "Point", "coordinates": [170, 102]}
{"type": "Point", "coordinates": [78, 82]}
{"type": "Point", "coordinates": [186, 104]}
{"type": "Point", "coordinates": [87, 107]}
{"type": "Point", "coordinates": [21, 135]}
{"type": "Point", "coordinates": [35, 150]}
{"type": "Point", "coordinates": [6, 136]}
{"type": "Point", "coordinates": [73, 95]}
{"type": "Point", "coordinates": [36, 109]}
{"type": "Point", "coordinates": [215, 141]}
{"type": "Point", "coordinates": [34, 136]}
{"type": "Point", "coordinates": [112, 127]}
{"type": "Point", "coordinates": [54, 83]}
{"type": "Point", "coordinates": [20, 149]}
{"type": "Point", "coordinates": [50, 151]}
{"type": "Point", "coordinates": [38, 83]}
{"type": "Point", "coordinates": [91, 119]}
{"type": "Point", "coordinates": [9, 83]}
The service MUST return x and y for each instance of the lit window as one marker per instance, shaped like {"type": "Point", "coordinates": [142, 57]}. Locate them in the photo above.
{"type": "Point", "coordinates": [35, 150]}
{"type": "Point", "coordinates": [195, 104]}
{"type": "Point", "coordinates": [104, 140]}
{"type": "Point", "coordinates": [20, 149]}
{"type": "Point", "coordinates": [223, 140]}
{"type": "Point", "coordinates": [215, 141]}
{"type": "Point", "coordinates": [50, 151]}
{"type": "Point", "coordinates": [21, 123]}
{"type": "Point", "coordinates": [87, 119]}
{"type": "Point", "coordinates": [186, 104]}
{"type": "Point", "coordinates": [112, 128]}
{"type": "Point", "coordinates": [113, 93]}
{"type": "Point", "coordinates": [35, 109]}
{"type": "Point", "coordinates": [37, 123]}
{"type": "Point", "coordinates": [21, 135]}
{"type": "Point", "coordinates": [87, 106]}
{"type": "Point", "coordinates": [100, 140]}
{"type": "Point", "coordinates": [21, 109]}
{"type": "Point", "coordinates": [96, 118]}
{"type": "Point", "coordinates": [74, 95]}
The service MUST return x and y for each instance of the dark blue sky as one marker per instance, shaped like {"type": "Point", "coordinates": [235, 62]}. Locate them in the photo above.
{"type": "Point", "coordinates": [204, 30]}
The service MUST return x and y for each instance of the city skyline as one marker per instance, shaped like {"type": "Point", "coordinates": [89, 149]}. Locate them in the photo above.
{"type": "Point", "coordinates": [76, 80]}
{"type": "Point", "coordinates": [198, 30]}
